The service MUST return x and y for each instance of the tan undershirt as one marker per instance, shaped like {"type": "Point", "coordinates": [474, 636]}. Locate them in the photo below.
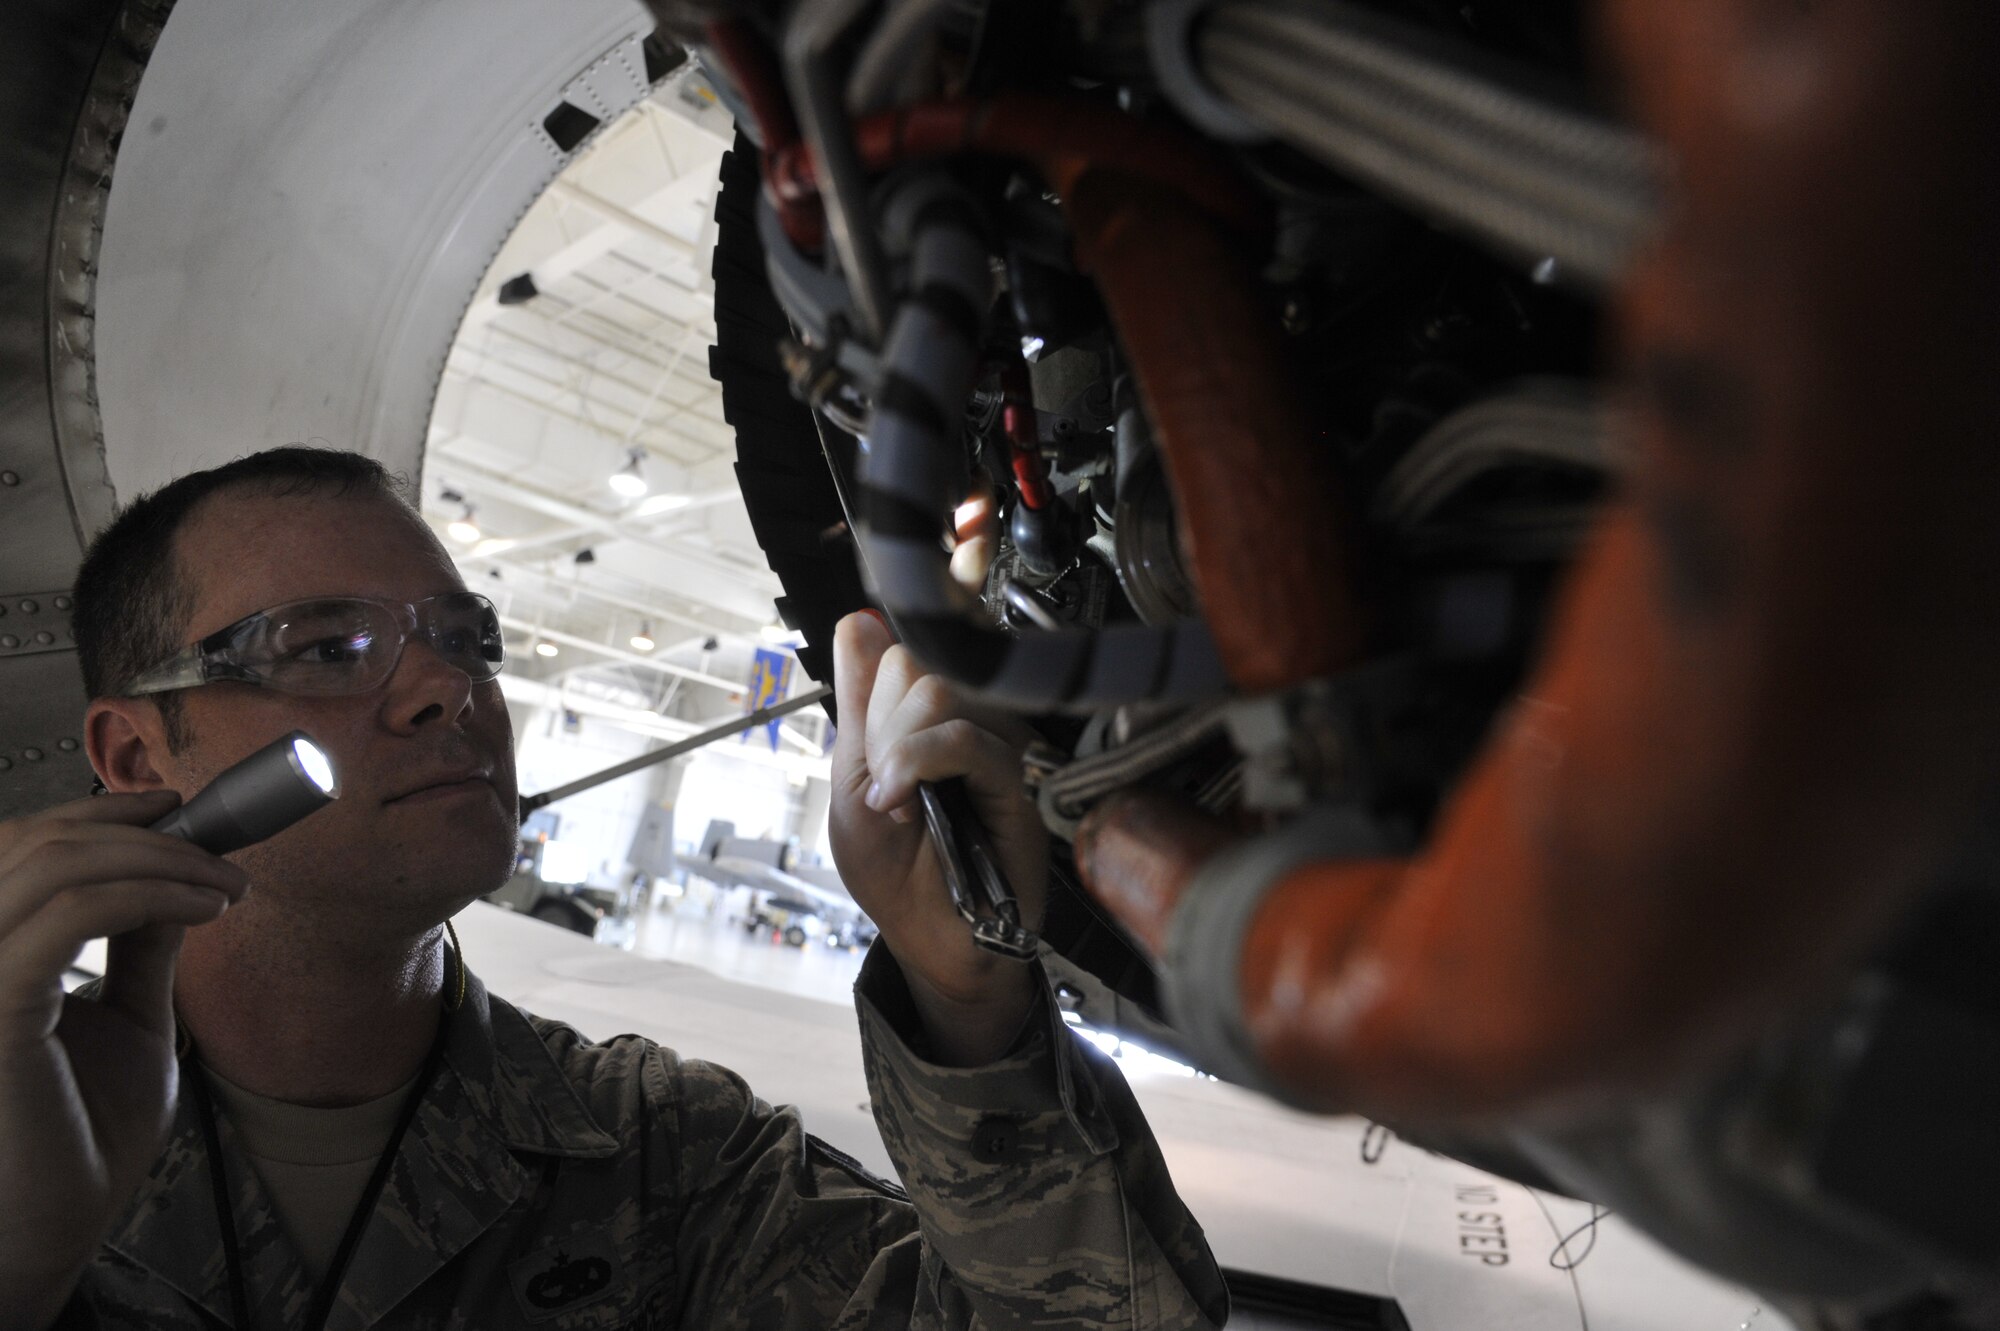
{"type": "Point", "coordinates": [314, 1163]}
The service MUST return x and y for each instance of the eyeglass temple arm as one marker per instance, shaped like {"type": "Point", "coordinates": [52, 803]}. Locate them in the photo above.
{"type": "Point", "coordinates": [182, 671]}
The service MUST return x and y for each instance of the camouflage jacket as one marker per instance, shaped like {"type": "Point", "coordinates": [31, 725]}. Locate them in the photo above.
{"type": "Point", "coordinates": [547, 1182]}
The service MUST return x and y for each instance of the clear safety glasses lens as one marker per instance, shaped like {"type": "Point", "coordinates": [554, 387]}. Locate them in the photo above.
{"type": "Point", "coordinates": [351, 646]}
{"type": "Point", "coordinates": [465, 630]}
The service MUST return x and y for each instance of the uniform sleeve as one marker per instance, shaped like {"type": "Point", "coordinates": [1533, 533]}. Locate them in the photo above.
{"type": "Point", "coordinates": [1040, 1193]}
{"type": "Point", "coordinates": [1036, 1196]}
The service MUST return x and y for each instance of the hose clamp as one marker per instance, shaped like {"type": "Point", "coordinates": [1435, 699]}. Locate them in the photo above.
{"type": "Point", "coordinates": [1201, 984]}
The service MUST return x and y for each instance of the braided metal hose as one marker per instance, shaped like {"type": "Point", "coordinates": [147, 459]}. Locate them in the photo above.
{"type": "Point", "coordinates": [1444, 132]}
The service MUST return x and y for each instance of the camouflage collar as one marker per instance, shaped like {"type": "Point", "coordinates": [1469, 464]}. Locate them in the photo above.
{"type": "Point", "coordinates": [510, 1077]}
{"type": "Point", "coordinates": [501, 1094]}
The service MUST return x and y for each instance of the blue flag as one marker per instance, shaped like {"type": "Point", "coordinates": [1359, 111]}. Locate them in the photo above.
{"type": "Point", "coordinates": [770, 683]}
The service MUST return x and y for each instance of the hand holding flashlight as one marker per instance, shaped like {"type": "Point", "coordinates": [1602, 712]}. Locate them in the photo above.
{"type": "Point", "coordinates": [87, 1086]}
{"type": "Point", "coordinates": [257, 798]}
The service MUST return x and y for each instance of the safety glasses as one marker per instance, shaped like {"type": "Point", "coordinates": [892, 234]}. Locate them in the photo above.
{"type": "Point", "coordinates": [335, 644]}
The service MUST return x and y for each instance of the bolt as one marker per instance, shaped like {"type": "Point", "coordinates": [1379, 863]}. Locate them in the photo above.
{"type": "Point", "coordinates": [62, 602]}
{"type": "Point", "coordinates": [9, 641]}
{"type": "Point", "coordinates": [45, 637]}
{"type": "Point", "coordinates": [32, 755]}
{"type": "Point", "coordinates": [9, 478]}
{"type": "Point", "coordinates": [6, 764]}
{"type": "Point", "coordinates": [29, 608]}
{"type": "Point", "coordinates": [66, 745]}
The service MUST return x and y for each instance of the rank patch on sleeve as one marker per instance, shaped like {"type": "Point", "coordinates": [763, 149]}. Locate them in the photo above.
{"type": "Point", "coordinates": [565, 1276]}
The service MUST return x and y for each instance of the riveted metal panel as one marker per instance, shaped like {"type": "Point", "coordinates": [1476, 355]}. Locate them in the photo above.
{"type": "Point", "coordinates": [41, 731]}
{"type": "Point", "coordinates": [68, 69]}
{"type": "Point", "coordinates": [32, 623]}
{"type": "Point", "coordinates": [48, 51]}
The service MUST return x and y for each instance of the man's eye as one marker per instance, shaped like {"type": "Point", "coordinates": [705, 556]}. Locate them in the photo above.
{"type": "Point", "coordinates": [333, 651]}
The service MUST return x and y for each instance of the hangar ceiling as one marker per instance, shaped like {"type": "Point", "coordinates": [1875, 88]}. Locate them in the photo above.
{"type": "Point", "coordinates": [583, 357]}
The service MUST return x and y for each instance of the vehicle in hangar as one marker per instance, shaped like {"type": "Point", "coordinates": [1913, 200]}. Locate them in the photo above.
{"type": "Point", "coordinates": [1308, 596]}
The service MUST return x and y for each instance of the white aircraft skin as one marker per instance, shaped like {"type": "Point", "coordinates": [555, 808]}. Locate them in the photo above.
{"type": "Point", "coordinates": [267, 276]}
{"type": "Point", "coordinates": [728, 860]}
{"type": "Point", "coordinates": [729, 871]}
{"type": "Point", "coordinates": [1279, 1193]}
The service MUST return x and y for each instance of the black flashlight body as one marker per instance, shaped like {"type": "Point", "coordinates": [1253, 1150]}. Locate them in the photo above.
{"type": "Point", "coordinates": [257, 798]}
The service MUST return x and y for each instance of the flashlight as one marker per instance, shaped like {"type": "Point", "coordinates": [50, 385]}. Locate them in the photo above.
{"type": "Point", "coordinates": [257, 798]}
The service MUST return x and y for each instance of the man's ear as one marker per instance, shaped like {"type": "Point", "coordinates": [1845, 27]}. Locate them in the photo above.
{"type": "Point", "coordinates": [126, 740]}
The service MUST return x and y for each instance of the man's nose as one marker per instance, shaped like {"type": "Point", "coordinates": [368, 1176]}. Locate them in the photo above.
{"type": "Point", "coordinates": [426, 688]}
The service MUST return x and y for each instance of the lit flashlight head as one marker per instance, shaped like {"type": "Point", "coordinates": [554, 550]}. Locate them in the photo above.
{"type": "Point", "coordinates": [258, 797]}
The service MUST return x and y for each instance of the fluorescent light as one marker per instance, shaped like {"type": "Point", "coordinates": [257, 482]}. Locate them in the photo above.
{"type": "Point", "coordinates": [543, 647]}
{"type": "Point", "coordinates": [494, 545]}
{"type": "Point", "coordinates": [662, 504]}
{"type": "Point", "coordinates": [461, 528]}
{"type": "Point", "coordinates": [630, 479]}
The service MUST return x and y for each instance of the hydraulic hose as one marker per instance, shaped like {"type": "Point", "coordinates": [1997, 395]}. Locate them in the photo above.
{"type": "Point", "coordinates": [1550, 423]}
{"type": "Point", "coordinates": [1444, 131]}
{"type": "Point", "coordinates": [1254, 491]}
{"type": "Point", "coordinates": [912, 474]}
{"type": "Point", "coordinates": [1765, 718]}
{"type": "Point", "coordinates": [1262, 516]}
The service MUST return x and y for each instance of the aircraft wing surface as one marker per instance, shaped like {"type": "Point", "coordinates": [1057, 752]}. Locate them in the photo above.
{"type": "Point", "coordinates": [1323, 1201]}
{"type": "Point", "coordinates": [766, 878]}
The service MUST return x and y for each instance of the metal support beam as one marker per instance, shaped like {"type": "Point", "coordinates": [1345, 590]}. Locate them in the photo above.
{"type": "Point", "coordinates": [644, 609]}
{"type": "Point", "coordinates": [621, 654]}
{"type": "Point", "coordinates": [553, 506]}
{"type": "Point", "coordinates": [480, 383]}
{"type": "Point", "coordinates": [618, 215]}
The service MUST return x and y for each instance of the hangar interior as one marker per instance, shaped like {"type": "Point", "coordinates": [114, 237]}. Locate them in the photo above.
{"type": "Point", "coordinates": [576, 270]}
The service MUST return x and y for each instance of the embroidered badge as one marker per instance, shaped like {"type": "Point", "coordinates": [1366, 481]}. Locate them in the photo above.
{"type": "Point", "coordinates": [563, 1277]}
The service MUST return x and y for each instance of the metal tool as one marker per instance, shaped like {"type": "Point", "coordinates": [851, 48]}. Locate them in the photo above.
{"type": "Point", "coordinates": [748, 721]}
{"type": "Point", "coordinates": [971, 868]}
{"type": "Point", "coordinates": [972, 871]}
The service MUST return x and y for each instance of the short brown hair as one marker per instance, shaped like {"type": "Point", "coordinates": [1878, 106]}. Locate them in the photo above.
{"type": "Point", "coordinates": [131, 602]}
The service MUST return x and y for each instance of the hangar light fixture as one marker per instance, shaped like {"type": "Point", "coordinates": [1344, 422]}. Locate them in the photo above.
{"type": "Point", "coordinates": [642, 641]}
{"type": "Point", "coordinates": [461, 528]}
{"type": "Point", "coordinates": [630, 479]}
{"type": "Point", "coordinates": [543, 647]}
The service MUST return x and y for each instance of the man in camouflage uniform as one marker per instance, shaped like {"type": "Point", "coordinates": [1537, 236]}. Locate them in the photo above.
{"type": "Point", "coordinates": [516, 1175]}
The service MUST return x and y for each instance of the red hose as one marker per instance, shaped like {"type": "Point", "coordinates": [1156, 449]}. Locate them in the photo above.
{"type": "Point", "coordinates": [1063, 137]}
{"type": "Point", "coordinates": [1767, 715]}
{"type": "Point", "coordinates": [1017, 421]}
{"type": "Point", "coordinates": [746, 58]}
